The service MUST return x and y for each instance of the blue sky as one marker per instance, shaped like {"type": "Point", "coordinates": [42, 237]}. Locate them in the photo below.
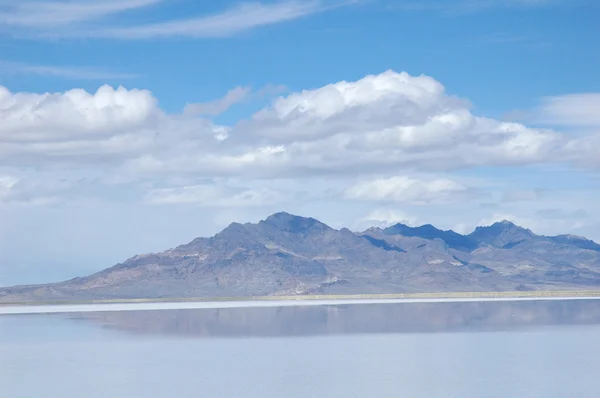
{"type": "Point", "coordinates": [231, 110]}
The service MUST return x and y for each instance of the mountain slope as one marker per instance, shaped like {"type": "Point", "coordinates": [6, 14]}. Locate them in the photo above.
{"type": "Point", "coordinates": [502, 234]}
{"type": "Point", "coordinates": [452, 239]}
{"type": "Point", "coordinates": [287, 254]}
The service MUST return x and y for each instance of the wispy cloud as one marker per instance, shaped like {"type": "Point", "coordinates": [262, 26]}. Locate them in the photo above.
{"type": "Point", "coordinates": [234, 96]}
{"type": "Point", "coordinates": [212, 195]}
{"type": "Point", "coordinates": [214, 108]}
{"type": "Point", "coordinates": [43, 14]}
{"type": "Point", "coordinates": [65, 72]}
{"type": "Point", "coordinates": [410, 190]}
{"type": "Point", "coordinates": [90, 19]}
{"type": "Point", "coordinates": [235, 20]}
{"type": "Point", "coordinates": [458, 7]}
{"type": "Point", "coordinates": [582, 110]}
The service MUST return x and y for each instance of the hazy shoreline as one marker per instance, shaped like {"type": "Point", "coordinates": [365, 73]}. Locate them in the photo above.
{"type": "Point", "coordinates": [285, 301]}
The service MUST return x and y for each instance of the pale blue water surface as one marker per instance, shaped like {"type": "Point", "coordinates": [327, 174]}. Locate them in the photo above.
{"type": "Point", "coordinates": [517, 350]}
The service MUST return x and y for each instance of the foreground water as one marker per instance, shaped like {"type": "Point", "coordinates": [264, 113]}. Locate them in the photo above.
{"type": "Point", "coordinates": [526, 349]}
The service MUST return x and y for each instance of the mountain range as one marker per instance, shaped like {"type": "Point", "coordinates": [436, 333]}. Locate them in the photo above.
{"type": "Point", "coordinates": [290, 255]}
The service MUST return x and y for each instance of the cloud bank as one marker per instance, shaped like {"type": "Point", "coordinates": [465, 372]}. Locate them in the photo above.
{"type": "Point", "coordinates": [382, 127]}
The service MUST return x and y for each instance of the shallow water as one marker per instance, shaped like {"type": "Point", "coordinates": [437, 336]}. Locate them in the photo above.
{"type": "Point", "coordinates": [394, 350]}
{"type": "Point", "coordinates": [179, 305]}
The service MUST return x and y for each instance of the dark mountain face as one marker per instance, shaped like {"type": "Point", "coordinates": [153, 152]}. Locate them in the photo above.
{"type": "Point", "coordinates": [287, 254]}
{"type": "Point", "coordinates": [576, 241]}
{"type": "Point", "coordinates": [293, 224]}
{"type": "Point", "coordinates": [452, 239]}
{"type": "Point", "coordinates": [501, 234]}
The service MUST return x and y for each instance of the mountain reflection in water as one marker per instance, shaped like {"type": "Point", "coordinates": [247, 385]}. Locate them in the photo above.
{"type": "Point", "coordinates": [351, 319]}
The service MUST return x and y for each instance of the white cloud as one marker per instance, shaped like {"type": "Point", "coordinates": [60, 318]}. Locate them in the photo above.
{"type": "Point", "coordinates": [383, 218]}
{"type": "Point", "coordinates": [579, 110]}
{"type": "Point", "coordinates": [461, 228]}
{"type": "Point", "coordinates": [81, 127]}
{"type": "Point", "coordinates": [579, 113]}
{"type": "Point", "coordinates": [50, 117]}
{"type": "Point", "coordinates": [409, 190]}
{"type": "Point", "coordinates": [375, 101]}
{"type": "Point", "coordinates": [66, 72]}
{"type": "Point", "coordinates": [390, 121]}
{"type": "Point", "coordinates": [499, 217]}
{"type": "Point", "coordinates": [387, 125]}
{"type": "Point", "coordinates": [6, 184]}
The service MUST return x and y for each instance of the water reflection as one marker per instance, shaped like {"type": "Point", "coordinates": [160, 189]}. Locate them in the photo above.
{"type": "Point", "coordinates": [351, 319]}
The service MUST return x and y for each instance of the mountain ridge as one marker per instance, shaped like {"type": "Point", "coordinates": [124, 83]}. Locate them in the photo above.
{"type": "Point", "coordinates": [289, 254]}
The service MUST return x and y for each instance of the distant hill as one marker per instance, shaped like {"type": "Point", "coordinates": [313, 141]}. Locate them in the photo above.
{"type": "Point", "coordinates": [288, 254]}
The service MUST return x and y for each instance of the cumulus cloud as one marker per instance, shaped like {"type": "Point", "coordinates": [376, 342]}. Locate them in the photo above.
{"type": "Point", "coordinates": [29, 117]}
{"type": "Point", "coordinates": [379, 125]}
{"type": "Point", "coordinates": [405, 189]}
{"type": "Point", "coordinates": [78, 128]}
{"type": "Point", "coordinates": [376, 101]}
{"type": "Point", "coordinates": [390, 119]}
{"type": "Point", "coordinates": [381, 121]}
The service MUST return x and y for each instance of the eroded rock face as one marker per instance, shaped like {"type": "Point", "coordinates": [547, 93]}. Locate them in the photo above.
{"type": "Point", "coordinates": [287, 254]}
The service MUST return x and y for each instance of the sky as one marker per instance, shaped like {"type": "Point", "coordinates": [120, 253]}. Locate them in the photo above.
{"type": "Point", "coordinates": [133, 126]}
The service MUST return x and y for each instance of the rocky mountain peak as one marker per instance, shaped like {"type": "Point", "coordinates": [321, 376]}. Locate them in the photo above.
{"type": "Point", "coordinates": [577, 241]}
{"type": "Point", "coordinates": [234, 234]}
{"type": "Point", "coordinates": [506, 224]}
{"type": "Point", "coordinates": [501, 234]}
{"type": "Point", "coordinates": [294, 224]}
{"type": "Point", "coordinates": [233, 228]}
{"type": "Point", "coordinates": [428, 231]}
